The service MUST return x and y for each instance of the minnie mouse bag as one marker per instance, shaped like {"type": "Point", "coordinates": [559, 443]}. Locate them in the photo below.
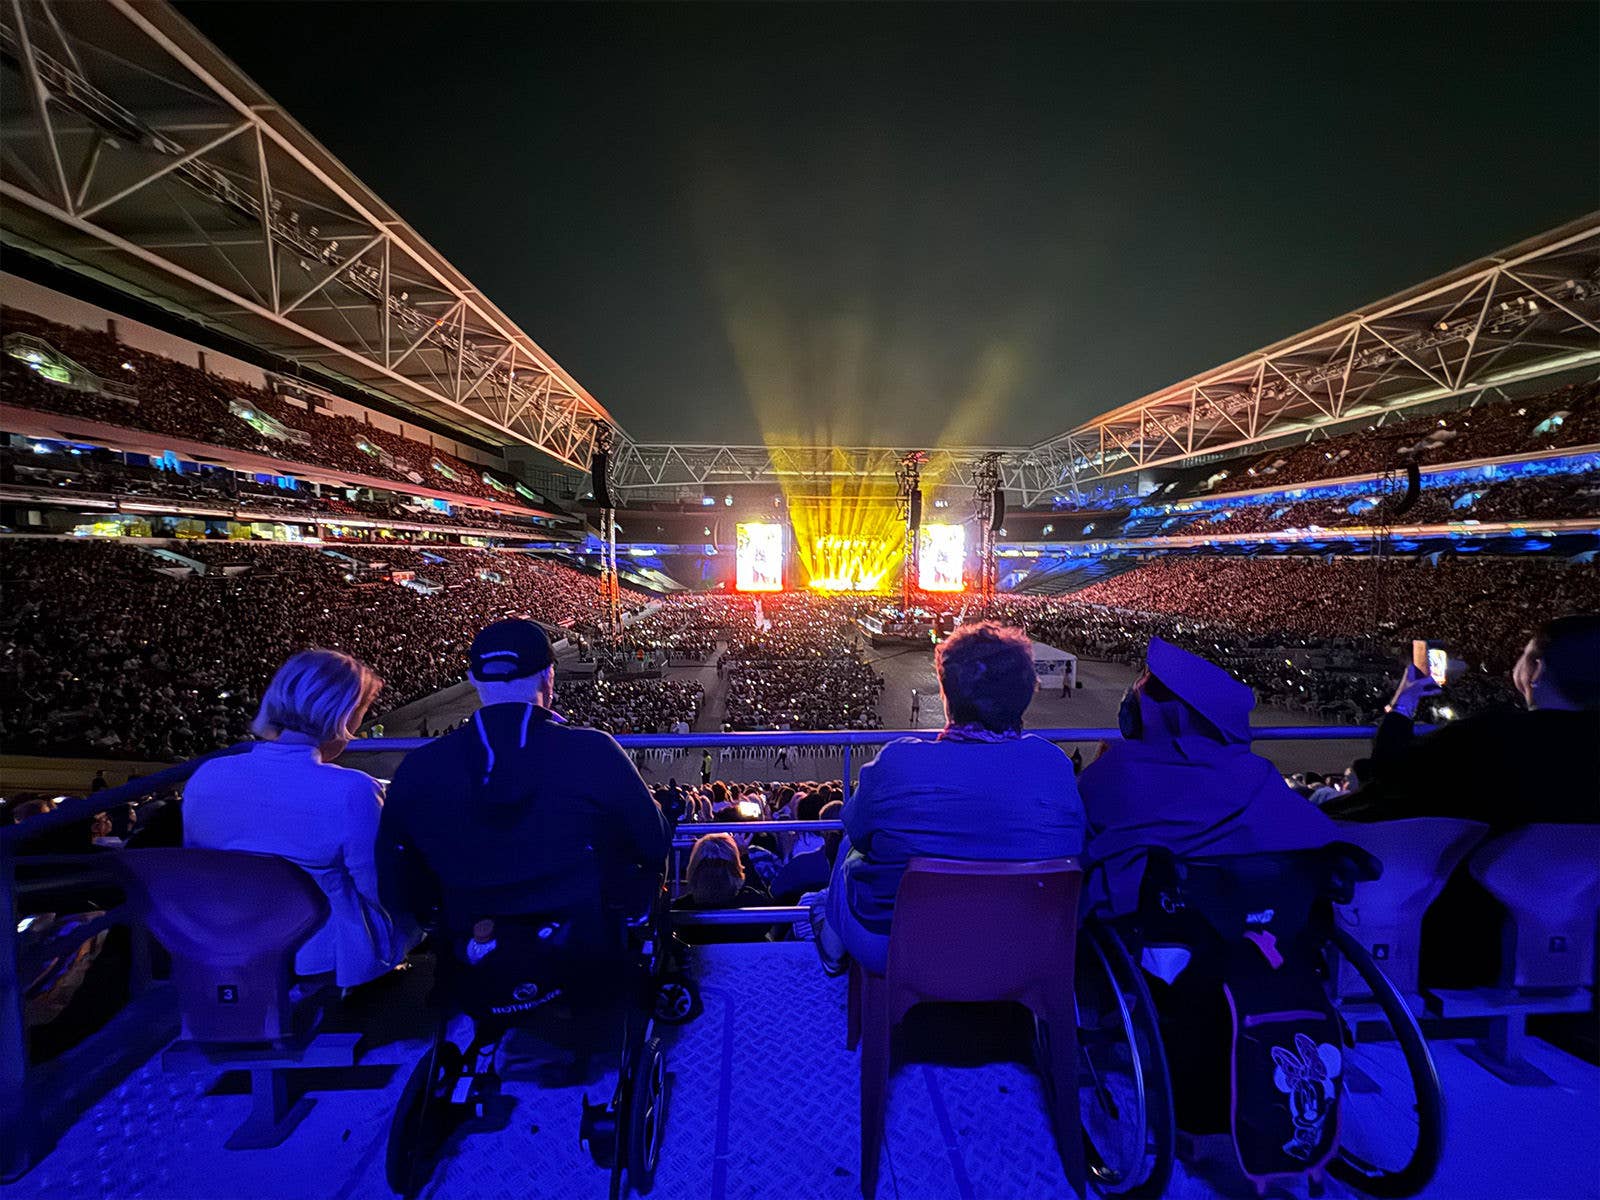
{"type": "Point", "coordinates": [1287, 1075]}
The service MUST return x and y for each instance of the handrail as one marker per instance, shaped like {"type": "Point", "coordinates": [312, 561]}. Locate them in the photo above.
{"type": "Point", "coordinates": [878, 737]}
{"type": "Point", "coordinates": [79, 808]}
{"type": "Point", "coordinates": [775, 825]}
{"type": "Point", "coordinates": [772, 914]}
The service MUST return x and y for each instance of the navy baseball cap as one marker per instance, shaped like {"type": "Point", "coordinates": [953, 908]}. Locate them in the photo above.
{"type": "Point", "coordinates": [512, 649]}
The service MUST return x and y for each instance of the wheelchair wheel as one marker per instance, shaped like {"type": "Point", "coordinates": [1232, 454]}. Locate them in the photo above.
{"type": "Point", "coordinates": [1391, 1123]}
{"type": "Point", "coordinates": [1125, 1091]}
{"type": "Point", "coordinates": [677, 999]}
{"type": "Point", "coordinates": [647, 1113]}
{"type": "Point", "coordinates": [420, 1124]}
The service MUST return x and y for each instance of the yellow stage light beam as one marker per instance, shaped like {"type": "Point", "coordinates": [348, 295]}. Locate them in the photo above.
{"type": "Point", "coordinates": [826, 353]}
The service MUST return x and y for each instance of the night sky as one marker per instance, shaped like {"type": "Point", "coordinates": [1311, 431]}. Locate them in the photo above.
{"type": "Point", "coordinates": [940, 223]}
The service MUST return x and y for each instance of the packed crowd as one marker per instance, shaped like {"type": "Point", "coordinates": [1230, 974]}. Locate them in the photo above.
{"type": "Point", "coordinates": [106, 649]}
{"type": "Point", "coordinates": [101, 472]}
{"type": "Point", "coordinates": [102, 653]}
{"type": "Point", "coordinates": [1568, 416]}
{"type": "Point", "coordinates": [154, 393]}
{"type": "Point", "coordinates": [798, 669]}
{"type": "Point", "coordinates": [1476, 607]}
{"type": "Point", "coordinates": [631, 705]}
{"type": "Point", "coordinates": [682, 628]}
{"type": "Point", "coordinates": [1552, 498]}
{"type": "Point", "coordinates": [1317, 636]}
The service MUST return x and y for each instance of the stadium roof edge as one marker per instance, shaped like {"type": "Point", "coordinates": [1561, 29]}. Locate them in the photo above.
{"type": "Point", "coordinates": [1581, 234]}
{"type": "Point", "coordinates": [1526, 312]}
{"type": "Point", "coordinates": [183, 33]}
{"type": "Point", "coordinates": [121, 101]}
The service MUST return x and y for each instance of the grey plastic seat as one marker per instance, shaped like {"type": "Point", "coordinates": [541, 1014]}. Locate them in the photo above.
{"type": "Point", "coordinates": [1548, 878]}
{"type": "Point", "coordinates": [232, 922]}
{"type": "Point", "coordinates": [1385, 915]}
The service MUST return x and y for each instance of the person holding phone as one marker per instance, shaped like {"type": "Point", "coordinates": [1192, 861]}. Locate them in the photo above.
{"type": "Point", "coordinates": [1506, 768]}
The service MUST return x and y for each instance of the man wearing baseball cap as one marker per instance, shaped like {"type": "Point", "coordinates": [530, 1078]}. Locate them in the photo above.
{"type": "Point", "coordinates": [516, 812]}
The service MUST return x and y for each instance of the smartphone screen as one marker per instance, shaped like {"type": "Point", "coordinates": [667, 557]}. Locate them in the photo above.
{"type": "Point", "coordinates": [1438, 664]}
{"type": "Point", "coordinates": [1430, 658]}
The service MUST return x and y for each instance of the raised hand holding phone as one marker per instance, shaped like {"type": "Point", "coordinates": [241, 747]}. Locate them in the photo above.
{"type": "Point", "coordinates": [1414, 687]}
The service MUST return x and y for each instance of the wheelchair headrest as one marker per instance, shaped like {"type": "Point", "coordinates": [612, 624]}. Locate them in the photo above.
{"type": "Point", "coordinates": [1229, 889]}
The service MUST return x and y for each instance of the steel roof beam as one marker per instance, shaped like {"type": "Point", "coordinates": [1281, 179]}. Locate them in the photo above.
{"type": "Point", "coordinates": [166, 108]}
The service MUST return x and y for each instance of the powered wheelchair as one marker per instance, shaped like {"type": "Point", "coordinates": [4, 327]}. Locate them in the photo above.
{"type": "Point", "coordinates": [1211, 1010]}
{"type": "Point", "coordinates": [573, 979]}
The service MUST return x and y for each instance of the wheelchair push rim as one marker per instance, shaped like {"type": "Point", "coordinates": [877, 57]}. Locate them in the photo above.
{"type": "Point", "coordinates": [647, 1116]}
{"type": "Point", "coordinates": [1125, 1095]}
{"type": "Point", "coordinates": [1391, 1128]}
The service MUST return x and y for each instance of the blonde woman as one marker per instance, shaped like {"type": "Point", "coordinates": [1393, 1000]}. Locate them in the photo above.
{"type": "Point", "coordinates": [286, 797]}
{"type": "Point", "coordinates": [716, 878]}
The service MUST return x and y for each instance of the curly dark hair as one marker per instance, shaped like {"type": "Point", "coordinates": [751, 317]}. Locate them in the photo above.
{"type": "Point", "coordinates": [987, 674]}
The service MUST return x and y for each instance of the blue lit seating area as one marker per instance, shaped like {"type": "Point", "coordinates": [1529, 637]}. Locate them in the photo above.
{"type": "Point", "coordinates": [227, 1076]}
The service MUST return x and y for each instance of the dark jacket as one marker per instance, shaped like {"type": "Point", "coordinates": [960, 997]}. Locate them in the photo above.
{"type": "Point", "coordinates": [1507, 769]}
{"type": "Point", "coordinates": [752, 895]}
{"type": "Point", "coordinates": [515, 812]}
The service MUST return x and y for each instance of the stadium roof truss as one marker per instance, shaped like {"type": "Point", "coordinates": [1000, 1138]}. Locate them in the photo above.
{"type": "Point", "coordinates": [1529, 311]}
{"type": "Point", "coordinates": [136, 152]}
{"type": "Point", "coordinates": [639, 465]}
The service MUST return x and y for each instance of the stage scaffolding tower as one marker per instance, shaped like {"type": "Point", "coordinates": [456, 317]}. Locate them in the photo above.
{"type": "Point", "coordinates": [985, 483]}
{"type": "Point", "coordinates": [909, 477]}
{"type": "Point", "coordinates": [610, 580]}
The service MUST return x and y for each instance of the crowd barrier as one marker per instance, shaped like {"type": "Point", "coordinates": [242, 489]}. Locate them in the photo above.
{"type": "Point", "coordinates": [26, 1116]}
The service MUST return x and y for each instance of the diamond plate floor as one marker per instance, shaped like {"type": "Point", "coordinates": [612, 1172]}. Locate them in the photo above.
{"type": "Point", "coordinates": [763, 1104]}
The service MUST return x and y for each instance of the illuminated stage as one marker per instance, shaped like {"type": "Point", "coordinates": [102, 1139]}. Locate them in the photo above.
{"type": "Point", "coordinates": [853, 546]}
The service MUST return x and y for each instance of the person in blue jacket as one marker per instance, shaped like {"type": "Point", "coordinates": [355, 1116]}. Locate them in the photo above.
{"type": "Point", "coordinates": [983, 791]}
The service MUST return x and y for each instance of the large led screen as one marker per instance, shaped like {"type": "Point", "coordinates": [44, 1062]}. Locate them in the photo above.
{"type": "Point", "coordinates": [758, 557]}
{"type": "Point", "coordinates": [940, 552]}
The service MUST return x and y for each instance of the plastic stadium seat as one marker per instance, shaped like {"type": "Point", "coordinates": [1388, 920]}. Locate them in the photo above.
{"type": "Point", "coordinates": [232, 922]}
{"type": "Point", "coordinates": [1548, 879]}
{"type": "Point", "coordinates": [974, 932]}
{"type": "Point", "coordinates": [1385, 915]}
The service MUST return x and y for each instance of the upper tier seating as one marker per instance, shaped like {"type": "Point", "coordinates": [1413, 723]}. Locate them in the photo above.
{"type": "Point", "coordinates": [186, 402]}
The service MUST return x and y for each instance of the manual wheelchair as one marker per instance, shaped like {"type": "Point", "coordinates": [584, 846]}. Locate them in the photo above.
{"type": "Point", "coordinates": [1156, 1054]}
{"type": "Point", "coordinates": [571, 979]}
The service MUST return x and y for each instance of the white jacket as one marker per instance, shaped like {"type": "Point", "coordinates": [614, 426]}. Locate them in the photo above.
{"type": "Point", "coordinates": [281, 798]}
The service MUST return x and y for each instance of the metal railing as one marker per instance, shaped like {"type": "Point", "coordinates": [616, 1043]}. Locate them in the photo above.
{"type": "Point", "coordinates": [26, 1139]}
{"type": "Point", "coordinates": [848, 740]}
